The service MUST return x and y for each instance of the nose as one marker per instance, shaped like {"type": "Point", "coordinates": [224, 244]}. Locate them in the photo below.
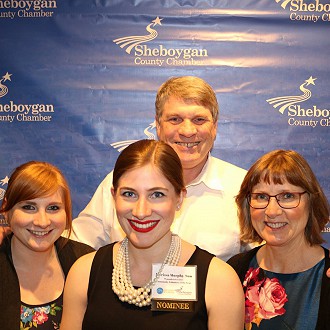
{"type": "Point", "coordinates": [187, 128]}
{"type": "Point", "coordinates": [273, 209]}
{"type": "Point", "coordinates": [141, 208]}
{"type": "Point", "coordinates": [41, 219]}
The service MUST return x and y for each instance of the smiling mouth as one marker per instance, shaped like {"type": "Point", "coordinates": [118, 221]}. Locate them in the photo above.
{"type": "Point", "coordinates": [187, 144]}
{"type": "Point", "coordinates": [39, 233]}
{"type": "Point", "coordinates": [143, 227]}
{"type": "Point", "coordinates": [275, 225]}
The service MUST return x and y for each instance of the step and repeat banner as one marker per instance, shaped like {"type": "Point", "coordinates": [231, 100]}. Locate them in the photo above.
{"type": "Point", "coordinates": [78, 79]}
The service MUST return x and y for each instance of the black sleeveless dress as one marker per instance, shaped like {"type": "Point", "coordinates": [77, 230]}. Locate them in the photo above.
{"type": "Point", "coordinates": [105, 310]}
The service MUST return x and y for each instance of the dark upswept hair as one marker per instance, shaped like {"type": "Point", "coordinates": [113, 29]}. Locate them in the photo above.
{"type": "Point", "coordinates": [157, 153]}
{"type": "Point", "coordinates": [191, 90]}
{"type": "Point", "coordinates": [36, 179]}
{"type": "Point", "coordinates": [279, 166]}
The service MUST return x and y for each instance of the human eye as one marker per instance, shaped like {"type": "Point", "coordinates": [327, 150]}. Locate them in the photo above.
{"type": "Point", "coordinates": [53, 208]}
{"type": "Point", "coordinates": [287, 196]}
{"type": "Point", "coordinates": [28, 207]}
{"type": "Point", "coordinates": [260, 197]}
{"type": "Point", "coordinates": [174, 120]}
{"type": "Point", "coordinates": [157, 194]}
{"type": "Point", "coordinates": [128, 194]}
{"type": "Point", "coordinates": [200, 120]}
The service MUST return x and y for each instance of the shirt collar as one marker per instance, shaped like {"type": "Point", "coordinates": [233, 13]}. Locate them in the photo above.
{"type": "Point", "coordinates": [208, 176]}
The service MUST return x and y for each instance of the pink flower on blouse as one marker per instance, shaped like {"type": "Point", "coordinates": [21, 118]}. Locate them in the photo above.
{"type": "Point", "coordinates": [40, 317]}
{"type": "Point", "coordinates": [252, 278]}
{"type": "Point", "coordinates": [264, 297]}
{"type": "Point", "coordinates": [272, 298]}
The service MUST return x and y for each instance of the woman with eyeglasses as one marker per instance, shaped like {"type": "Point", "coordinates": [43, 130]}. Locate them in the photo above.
{"type": "Point", "coordinates": [282, 206]}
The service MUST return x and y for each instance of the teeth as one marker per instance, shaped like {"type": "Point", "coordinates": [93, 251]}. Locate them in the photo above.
{"type": "Point", "coordinates": [276, 224]}
{"type": "Point", "coordinates": [144, 225]}
{"type": "Point", "coordinates": [39, 233]}
{"type": "Point", "coordinates": [188, 144]}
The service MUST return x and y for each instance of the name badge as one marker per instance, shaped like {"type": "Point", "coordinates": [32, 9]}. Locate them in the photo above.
{"type": "Point", "coordinates": [175, 289]}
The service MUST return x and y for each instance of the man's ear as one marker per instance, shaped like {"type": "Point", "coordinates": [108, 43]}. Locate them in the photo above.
{"type": "Point", "coordinates": [113, 192]}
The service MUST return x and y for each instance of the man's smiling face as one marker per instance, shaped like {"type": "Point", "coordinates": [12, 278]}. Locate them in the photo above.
{"type": "Point", "coordinates": [189, 129]}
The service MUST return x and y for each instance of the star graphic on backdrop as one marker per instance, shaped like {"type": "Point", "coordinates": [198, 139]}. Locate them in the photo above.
{"type": "Point", "coordinates": [7, 76]}
{"type": "Point", "coordinates": [310, 81]}
{"type": "Point", "coordinates": [157, 21]}
{"type": "Point", "coordinates": [4, 180]}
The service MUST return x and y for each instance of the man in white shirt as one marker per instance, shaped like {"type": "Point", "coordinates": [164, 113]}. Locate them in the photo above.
{"type": "Point", "coordinates": [186, 118]}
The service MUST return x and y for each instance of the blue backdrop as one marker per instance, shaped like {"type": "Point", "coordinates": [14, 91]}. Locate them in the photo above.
{"type": "Point", "coordinates": [78, 79]}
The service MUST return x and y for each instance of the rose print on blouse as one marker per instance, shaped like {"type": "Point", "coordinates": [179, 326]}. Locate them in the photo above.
{"type": "Point", "coordinates": [264, 297]}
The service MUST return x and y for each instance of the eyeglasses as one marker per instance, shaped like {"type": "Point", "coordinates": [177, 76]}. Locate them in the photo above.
{"type": "Point", "coordinates": [286, 200]}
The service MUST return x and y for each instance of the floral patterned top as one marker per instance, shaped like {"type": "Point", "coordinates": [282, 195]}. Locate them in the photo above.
{"type": "Point", "coordinates": [275, 301]}
{"type": "Point", "coordinates": [42, 317]}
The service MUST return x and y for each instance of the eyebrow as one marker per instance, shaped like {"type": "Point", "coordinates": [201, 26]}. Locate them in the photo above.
{"type": "Point", "coordinates": [281, 192]}
{"type": "Point", "coordinates": [34, 203]}
{"type": "Point", "coordinates": [179, 114]}
{"type": "Point", "coordinates": [150, 189]}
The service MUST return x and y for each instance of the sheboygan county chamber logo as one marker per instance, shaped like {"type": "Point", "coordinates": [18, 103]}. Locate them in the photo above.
{"type": "Point", "coordinates": [12, 111]}
{"type": "Point", "coordinates": [121, 145]}
{"type": "Point", "coordinates": [159, 55]}
{"type": "Point", "coordinates": [3, 182]}
{"type": "Point", "coordinates": [285, 102]}
{"type": "Point", "coordinates": [303, 10]}
{"type": "Point", "coordinates": [297, 114]}
{"type": "Point", "coordinates": [27, 8]}
{"type": "Point", "coordinates": [128, 43]}
{"type": "Point", "coordinates": [4, 88]}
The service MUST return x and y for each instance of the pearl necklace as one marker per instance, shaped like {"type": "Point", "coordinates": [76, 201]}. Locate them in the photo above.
{"type": "Point", "coordinates": [121, 276]}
